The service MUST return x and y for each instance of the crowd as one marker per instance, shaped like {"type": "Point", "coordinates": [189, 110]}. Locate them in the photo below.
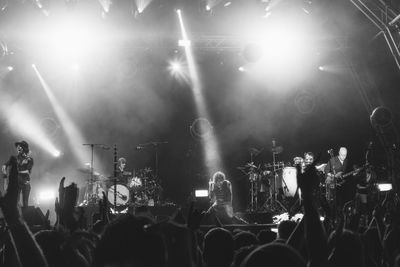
{"type": "Point", "coordinates": [138, 240]}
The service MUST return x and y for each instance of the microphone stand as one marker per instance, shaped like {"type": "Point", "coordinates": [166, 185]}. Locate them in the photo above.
{"type": "Point", "coordinates": [115, 176]}
{"type": "Point", "coordinates": [155, 145]}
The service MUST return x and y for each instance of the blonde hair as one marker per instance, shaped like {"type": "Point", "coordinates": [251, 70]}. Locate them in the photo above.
{"type": "Point", "coordinates": [218, 176]}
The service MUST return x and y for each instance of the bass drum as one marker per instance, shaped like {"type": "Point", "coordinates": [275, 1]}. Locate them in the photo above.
{"type": "Point", "coordinates": [123, 195]}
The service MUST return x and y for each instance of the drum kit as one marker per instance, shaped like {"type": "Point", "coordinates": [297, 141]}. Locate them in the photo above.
{"type": "Point", "coordinates": [143, 189]}
{"type": "Point", "coordinates": [270, 182]}
{"type": "Point", "coordinates": [273, 186]}
{"type": "Point", "coordinates": [140, 188]}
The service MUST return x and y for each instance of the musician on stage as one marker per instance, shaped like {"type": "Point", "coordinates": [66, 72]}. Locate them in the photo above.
{"type": "Point", "coordinates": [220, 193]}
{"type": "Point", "coordinates": [335, 167]}
{"type": "Point", "coordinates": [123, 176]}
{"type": "Point", "coordinates": [24, 164]}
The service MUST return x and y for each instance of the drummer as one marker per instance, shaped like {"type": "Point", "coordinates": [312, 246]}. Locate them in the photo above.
{"type": "Point", "coordinates": [123, 176]}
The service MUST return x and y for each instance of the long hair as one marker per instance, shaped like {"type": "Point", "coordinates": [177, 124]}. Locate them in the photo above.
{"type": "Point", "coordinates": [218, 177]}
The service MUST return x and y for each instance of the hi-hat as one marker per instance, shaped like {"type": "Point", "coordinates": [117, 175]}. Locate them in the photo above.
{"type": "Point", "coordinates": [254, 151]}
{"type": "Point", "coordinates": [250, 165]}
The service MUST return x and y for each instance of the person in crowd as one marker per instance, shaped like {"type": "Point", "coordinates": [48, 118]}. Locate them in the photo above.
{"type": "Point", "coordinates": [218, 248]}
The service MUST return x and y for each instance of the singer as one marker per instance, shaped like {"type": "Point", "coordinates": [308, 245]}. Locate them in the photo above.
{"type": "Point", "coordinates": [25, 164]}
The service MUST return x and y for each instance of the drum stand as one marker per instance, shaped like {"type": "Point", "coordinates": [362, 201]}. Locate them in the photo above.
{"type": "Point", "coordinates": [253, 191]}
{"type": "Point", "coordinates": [90, 196]}
{"type": "Point", "coordinates": [273, 203]}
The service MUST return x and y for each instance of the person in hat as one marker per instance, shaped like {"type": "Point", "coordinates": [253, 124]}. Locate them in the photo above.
{"type": "Point", "coordinates": [25, 164]}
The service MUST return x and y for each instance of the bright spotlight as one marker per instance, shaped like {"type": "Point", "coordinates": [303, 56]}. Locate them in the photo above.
{"type": "Point", "coordinates": [176, 67]}
{"type": "Point", "coordinates": [10, 68]}
{"type": "Point", "coordinates": [178, 11]}
{"type": "Point", "coordinates": [321, 68]}
{"type": "Point", "coordinates": [227, 4]}
{"type": "Point", "coordinates": [208, 8]}
{"type": "Point", "coordinates": [46, 196]}
{"type": "Point", "coordinates": [241, 69]}
{"type": "Point", "coordinates": [178, 70]}
{"type": "Point", "coordinates": [141, 5]}
{"type": "Point", "coordinates": [34, 66]}
{"type": "Point", "coordinates": [56, 153]}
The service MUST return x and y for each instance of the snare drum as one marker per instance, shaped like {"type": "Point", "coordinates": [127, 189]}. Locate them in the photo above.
{"type": "Point", "coordinates": [123, 196]}
{"type": "Point", "coordinates": [289, 176]}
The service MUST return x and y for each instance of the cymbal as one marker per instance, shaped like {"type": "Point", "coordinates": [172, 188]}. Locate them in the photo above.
{"type": "Point", "coordinates": [88, 171]}
{"type": "Point", "coordinates": [250, 165]}
{"type": "Point", "coordinates": [321, 167]}
{"type": "Point", "coordinates": [277, 150]}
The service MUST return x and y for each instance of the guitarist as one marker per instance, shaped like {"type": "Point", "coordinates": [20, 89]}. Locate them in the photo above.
{"type": "Point", "coordinates": [220, 192]}
{"type": "Point", "coordinates": [335, 167]}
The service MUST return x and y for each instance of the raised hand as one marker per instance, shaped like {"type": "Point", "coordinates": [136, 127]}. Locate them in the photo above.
{"type": "Point", "coordinates": [65, 205]}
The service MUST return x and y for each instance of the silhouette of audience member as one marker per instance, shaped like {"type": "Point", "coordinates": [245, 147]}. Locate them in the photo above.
{"type": "Point", "coordinates": [125, 242]}
{"type": "Point", "coordinates": [266, 237]}
{"type": "Point", "coordinates": [51, 242]}
{"type": "Point", "coordinates": [348, 251]}
{"type": "Point", "coordinates": [241, 254]}
{"type": "Point", "coordinates": [244, 239]}
{"type": "Point", "coordinates": [274, 254]}
{"type": "Point", "coordinates": [218, 248]}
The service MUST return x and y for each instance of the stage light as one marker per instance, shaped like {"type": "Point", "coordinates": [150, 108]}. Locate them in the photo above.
{"type": "Point", "coordinates": [56, 153]}
{"type": "Point", "coordinates": [178, 70]}
{"type": "Point", "coordinates": [142, 4]}
{"type": "Point", "coordinates": [321, 68]}
{"type": "Point", "coordinates": [201, 193]}
{"type": "Point", "coordinates": [241, 69]}
{"type": "Point", "coordinates": [105, 4]}
{"type": "Point", "coordinates": [208, 8]}
{"type": "Point", "coordinates": [46, 195]}
{"type": "Point", "coordinates": [10, 68]}
{"type": "Point", "coordinates": [227, 4]}
{"type": "Point", "coordinates": [33, 66]}
{"type": "Point", "coordinates": [73, 133]}
{"type": "Point", "coordinates": [384, 187]}
{"type": "Point", "coordinates": [178, 11]}
{"type": "Point", "coordinates": [22, 121]}
{"type": "Point", "coordinates": [175, 66]}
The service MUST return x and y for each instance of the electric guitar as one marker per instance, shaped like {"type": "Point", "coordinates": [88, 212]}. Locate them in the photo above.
{"type": "Point", "coordinates": [342, 178]}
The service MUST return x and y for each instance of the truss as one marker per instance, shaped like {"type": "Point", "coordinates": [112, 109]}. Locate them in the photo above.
{"type": "Point", "coordinates": [386, 19]}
